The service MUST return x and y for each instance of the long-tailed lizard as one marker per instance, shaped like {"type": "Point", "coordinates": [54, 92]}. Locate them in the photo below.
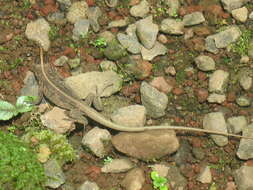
{"type": "Point", "coordinates": [63, 97]}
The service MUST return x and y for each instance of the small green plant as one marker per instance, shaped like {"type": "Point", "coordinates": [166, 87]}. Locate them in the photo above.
{"type": "Point", "coordinates": [19, 167]}
{"type": "Point", "coordinates": [53, 32]}
{"type": "Point", "coordinates": [58, 144]}
{"type": "Point", "coordinates": [99, 43]}
{"type": "Point", "coordinates": [26, 4]}
{"type": "Point", "coordinates": [108, 160]}
{"type": "Point", "coordinates": [242, 45]}
{"type": "Point", "coordinates": [158, 181]}
{"type": "Point", "coordinates": [23, 104]}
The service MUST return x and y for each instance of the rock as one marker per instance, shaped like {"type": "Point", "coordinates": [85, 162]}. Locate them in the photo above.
{"type": "Point", "coordinates": [251, 15]}
{"type": "Point", "coordinates": [43, 153]}
{"type": "Point", "coordinates": [149, 54]}
{"type": "Point", "coordinates": [193, 19]}
{"type": "Point", "coordinates": [162, 39]}
{"type": "Point", "coordinates": [31, 87]}
{"type": "Point", "coordinates": [57, 18]}
{"type": "Point", "coordinates": [93, 14]}
{"type": "Point", "coordinates": [245, 150]}
{"type": "Point", "coordinates": [38, 31]}
{"type": "Point", "coordinates": [54, 174]}
{"type": "Point", "coordinates": [161, 169]}
{"type": "Point", "coordinates": [78, 10]}
{"type": "Point", "coordinates": [81, 29]}
{"type": "Point", "coordinates": [240, 14]}
{"type": "Point", "coordinates": [74, 63]}
{"type": "Point", "coordinates": [114, 51]}
{"type": "Point", "coordinates": [129, 42]}
{"type": "Point", "coordinates": [222, 39]}
{"type": "Point", "coordinates": [243, 178]}
{"type": "Point", "coordinates": [198, 153]}
{"type": "Point", "coordinates": [230, 5]}
{"type": "Point", "coordinates": [61, 61]}
{"type": "Point", "coordinates": [177, 180]}
{"type": "Point", "coordinates": [216, 98]}
{"type": "Point", "coordinates": [140, 10]}
{"type": "Point", "coordinates": [173, 7]}
{"type": "Point", "coordinates": [139, 68]}
{"type": "Point", "coordinates": [172, 26]}
{"type": "Point", "coordinates": [218, 81]}
{"type": "Point", "coordinates": [131, 116]}
{"type": "Point", "coordinates": [161, 84]}
{"type": "Point", "coordinates": [117, 166]}
{"type": "Point", "coordinates": [58, 121]}
{"type": "Point", "coordinates": [118, 23]}
{"type": "Point", "coordinates": [131, 31]}
{"type": "Point", "coordinates": [108, 36]}
{"type": "Point", "coordinates": [96, 140]}
{"type": "Point", "coordinates": [215, 121]}
{"type": "Point", "coordinates": [105, 83]}
{"type": "Point", "coordinates": [205, 175]}
{"type": "Point", "coordinates": [108, 66]}
{"type": "Point", "coordinates": [245, 80]}
{"type": "Point", "coordinates": [243, 101]}
{"type": "Point", "coordinates": [134, 179]}
{"type": "Point", "coordinates": [236, 124]}
{"type": "Point", "coordinates": [244, 59]}
{"type": "Point", "coordinates": [147, 31]}
{"type": "Point", "coordinates": [87, 185]}
{"type": "Point", "coordinates": [154, 101]}
{"type": "Point", "coordinates": [205, 63]}
{"type": "Point", "coordinates": [146, 145]}
{"type": "Point", "coordinates": [183, 154]}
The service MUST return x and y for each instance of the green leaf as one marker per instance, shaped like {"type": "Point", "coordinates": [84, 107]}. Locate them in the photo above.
{"type": "Point", "coordinates": [165, 187]}
{"type": "Point", "coordinates": [154, 175]}
{"type": "Point", "coordinates": [7, 110]}
{"type": "Point", "coordinates": [25, 103]}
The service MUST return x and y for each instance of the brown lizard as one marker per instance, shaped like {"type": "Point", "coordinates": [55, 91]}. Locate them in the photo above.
{"type": "Point", "coordinates": [68, 100]}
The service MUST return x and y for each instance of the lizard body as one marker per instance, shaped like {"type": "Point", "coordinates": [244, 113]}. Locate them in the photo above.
{"type": "Point", "coordinates": [94, 115]}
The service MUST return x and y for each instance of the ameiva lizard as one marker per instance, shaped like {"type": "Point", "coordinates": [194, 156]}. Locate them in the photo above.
{"type": "Point", "coordinates": [60, 95]}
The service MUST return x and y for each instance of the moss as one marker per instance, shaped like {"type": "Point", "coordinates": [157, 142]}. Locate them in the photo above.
{"type": "Point", "coordinates": [19, 167]}
{"type": "Point", "coordinates": [58, 144]}
{"type": "Point", "coordinates": [242, 45]}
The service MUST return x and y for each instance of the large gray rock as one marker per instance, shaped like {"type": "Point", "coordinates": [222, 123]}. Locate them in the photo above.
{"type": "Point", "coordinates": [193, 19]}
{"type": "Point", "coordinates": [105, 83]}
{"type": "Point", "coordinates": [218, 81]}
{"type": "Point", "coordinates": [147, 31]}
{"type": "Point", "coordinates": [38, 31]}
{"type": "Point", "coordinates": [222, 39]}
{"type": "Point", "coordinates": [129, 42]}
{"type": "Point", "coordinates": [81, 29]}
{"type": "Point", "coordinates": [134, 179]}
{"type": "Point", "coordinates": [96, 140]}
{"type": "Point", "coordinates": [117, 166]}
{"type": "Point", "coordinates": [154, 101]}
{"type": "Point", "coordinates": [54, 174]}
{"type": "Point", "coordinates": [172, 26]}
{"type": "Point", "coordinates": [245, 150]}
{"type": "Point", "coordinates": [147, 145]}
{"type": "Point", "coordinates": [157, 49]}
{"type": "Point", "coordinates": [131, 116]}
{"type": "Point", "coordinates": [243, 178]}
{"type": "Point", "coordinates": [205, 63]}
{"type": "Point", "coordinates": [215, 122]}
{"type": "Point", "coordinates": [140, 10]}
